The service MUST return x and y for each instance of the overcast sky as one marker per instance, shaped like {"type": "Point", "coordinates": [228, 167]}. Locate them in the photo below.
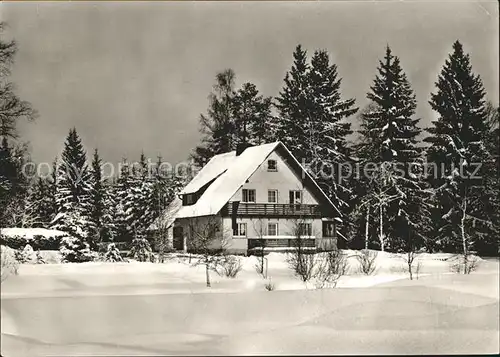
{"type": "Point", "coordinates": [136, 76]}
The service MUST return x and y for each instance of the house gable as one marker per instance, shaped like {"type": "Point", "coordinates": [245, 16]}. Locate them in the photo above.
{"type": "Point", "coordinates": [223, 181]}
{"type": "Point", "coordinates": [284, 179]}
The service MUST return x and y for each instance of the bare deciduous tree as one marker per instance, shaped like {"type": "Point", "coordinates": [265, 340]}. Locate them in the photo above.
{"type": "Point", "coordinates": [206, 238]}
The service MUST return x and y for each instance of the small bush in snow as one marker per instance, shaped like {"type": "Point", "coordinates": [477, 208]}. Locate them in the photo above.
{"type": "Point", "coordinates": [302, 263]}
{"type": "Point", "coordinates": [464, 264]}
{"type": "Point", "coordinates": [39, 259]}
{"type": "Point", "coordinates": [75, 250]}
{"type": "Point", "coordinates": [269, 286]}
{"type": "Point", "coordinates": [141, 251]}
{"type": "Point", "coordinates": [9, 265]}
{"type": "Point", "coordinates": [367, 261]}
{"type": "Point", "coordinates": [27, 255]}
{"type": "Point", "coordinates": [229, 266]}
{"type": "Point", "coordinates": [330, 267]}
{"type": "Point", "coordinates": [112, 254]}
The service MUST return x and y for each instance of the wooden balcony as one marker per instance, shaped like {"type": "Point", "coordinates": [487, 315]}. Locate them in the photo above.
{"type": "Point", "coordinates": [272, 210]}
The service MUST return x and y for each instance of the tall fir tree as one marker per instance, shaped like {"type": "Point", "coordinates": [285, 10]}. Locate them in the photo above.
{"type": "Point", "coordinates": [122, 192]}
{"type": "Point", "coordinates": [72, 189]}
{"type": "Point", "coordinates": [99, 205]}
{"type": "Point", "coordinates": [458, 156]}
{"type": "Point", "coordinates": [389, 138]}
{"type": "Point", "coordinates": [253, 120]}
{"type": "Point", "coordinates": [294, 106]}
{"type": "Point", "coordinates": [312, 125]}
{"type": "Point", "coordinates": [217, 126]}
{"type": "Point", "coordinates": [328, 128]}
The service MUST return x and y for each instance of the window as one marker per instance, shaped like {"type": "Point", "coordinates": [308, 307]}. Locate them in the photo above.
{"type": "Point", "coordinates": [188, 199]}
{"type": "Point", "coordinates": [272, 196]}
{"type": "Point", "coordinates": [272, 165]}
{"type": "Point", "coordinates": [240, 230]}
{"type": "Point", "coordinates": [329, 229]}
{"type": "Point", "coordinates": [248, 195]}
{"type": "Point", "coordinates": [296, 196]}
{"type": "Point", "coordinates": [305, 229]}
{"type": "Point", "coordinates": [272, 229]}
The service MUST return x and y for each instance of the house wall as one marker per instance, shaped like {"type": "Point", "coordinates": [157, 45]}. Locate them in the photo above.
{"type": "Point", "coordinates": [282, 180]}
{"type": "Point", "coordinates": [199, 225]}
{"type": "Point", "coordinates": [257, 229]}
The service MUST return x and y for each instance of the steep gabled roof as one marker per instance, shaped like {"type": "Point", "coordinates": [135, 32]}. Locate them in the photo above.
{"type": "Point", "coordinates": [229, 172]}
{"type": "Point", "coordinates": [215, 167]}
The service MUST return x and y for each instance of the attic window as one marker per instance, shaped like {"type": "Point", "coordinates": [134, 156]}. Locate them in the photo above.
{"type": "Point", "coordinates": [189, 199]}
{"type": "Point", "coordinates": [272, 165]}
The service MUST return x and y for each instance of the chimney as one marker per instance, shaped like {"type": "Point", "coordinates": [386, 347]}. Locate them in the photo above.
{"type": "Point", "coordinates": [241, 147]}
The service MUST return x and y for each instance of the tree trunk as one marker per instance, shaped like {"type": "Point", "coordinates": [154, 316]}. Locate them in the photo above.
{"type": "Point", "coordinates": [381, 233]}
{"type": "Point", "coordinates": [207, 273]}
{"type": "Point", "coordinates": [367, 223]}
{"type": "Point", "coordinates": [462, 231]}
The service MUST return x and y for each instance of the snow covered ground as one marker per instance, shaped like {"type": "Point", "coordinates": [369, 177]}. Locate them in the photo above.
{"type": "Point", "coordinates": [157, 309]}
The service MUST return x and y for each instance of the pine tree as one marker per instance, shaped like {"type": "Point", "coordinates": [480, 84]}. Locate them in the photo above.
{"type": "Point", "coordinates": [122, 192]}
{"type": "Point", "coordinates": [311, 124]}
{"type": "Point", "coordinates": [389, 131]}
{"type": "Point", "coordinates": [458, 153]}
{"type": "Point", "coordinates": [217, 126]}
{"type": "Point", "coordinates": [329, 130]}
{"type": "Point", "coordinates": [294, 106]}
{"type": "Point", "coordinates": [42, 206]}
{"type": "Point", "coordinates": [97, 205]}
{"type": "Point", "coordinates": [253, 121]}
{"type": "Point", "coordinates": [72, 189]}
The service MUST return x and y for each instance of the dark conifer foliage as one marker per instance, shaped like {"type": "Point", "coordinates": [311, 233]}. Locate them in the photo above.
{"type": "Point", "coordinates": [459, 153]}
{"type": "Point", "coordinates": [397, 192]}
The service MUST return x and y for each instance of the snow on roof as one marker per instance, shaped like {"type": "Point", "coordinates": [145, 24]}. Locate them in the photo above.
{"type": "Point", "coordinates": [234, 171]}
{"type": "Point", "coordinates": [29, 233]}
{"type": "Point", "coordinates": [237, 169]}
{"type": "Point", "coordinates": [167, 217]}
{"type": "Point", "coordinates": [214, 168]}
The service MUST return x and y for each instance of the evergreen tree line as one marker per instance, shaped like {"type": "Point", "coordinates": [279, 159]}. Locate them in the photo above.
{"type": "Point", "coordinates": [425, 189]}
{"type": "Point", "coordinates": [453, 206]}
{"type": "Point", "coordinates": [76, 198]}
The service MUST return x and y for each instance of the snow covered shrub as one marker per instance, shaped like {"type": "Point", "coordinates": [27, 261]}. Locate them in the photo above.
{"type": "Point", "coordinates": [38, 238]}
{"type": "Point", "coordinates": [269, 286]}
{"type": "Point", "coordinates": [76, 250]}
{"type": "Point", "coordinates": [367, 261]}
{"type": "Point", "coordinates": [27, 255]}
{"type": "Point", "coordinates": [329, 268]}
{"type": "Point", "coordinates": [9, 265]}
{"type": "Point", "coordinates": [229, 266]}
{"type": "Point", "coordinates": [112, 254]}
{"type": "Point", "coordinates": [303, 264]}
{"type": "Point", "coordinates": [141, 251]}
{"type": "Point", "coordinates": [461, 264]}
{"type": "Point", "coordinates": [39, 258]}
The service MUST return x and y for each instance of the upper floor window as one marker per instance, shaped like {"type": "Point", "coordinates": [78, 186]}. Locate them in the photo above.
{"type": "Point", "coordinates": [272, 196]}
{"type": "Point", "coordinates": [248, 195]}
{"type": "Point", "coordinates": [188, 199]}
{"type": "Point", "coordinates": [296, 196]}
{"type": "Point", "coordinates": [272, 165]}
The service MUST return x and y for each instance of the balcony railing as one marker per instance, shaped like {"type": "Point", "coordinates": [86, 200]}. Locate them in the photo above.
{"type": "Point", "coordinates": [272, 210]}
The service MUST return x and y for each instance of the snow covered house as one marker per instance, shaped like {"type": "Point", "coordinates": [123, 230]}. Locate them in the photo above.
{"type": "Point", "coordinates": [258, 196]}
